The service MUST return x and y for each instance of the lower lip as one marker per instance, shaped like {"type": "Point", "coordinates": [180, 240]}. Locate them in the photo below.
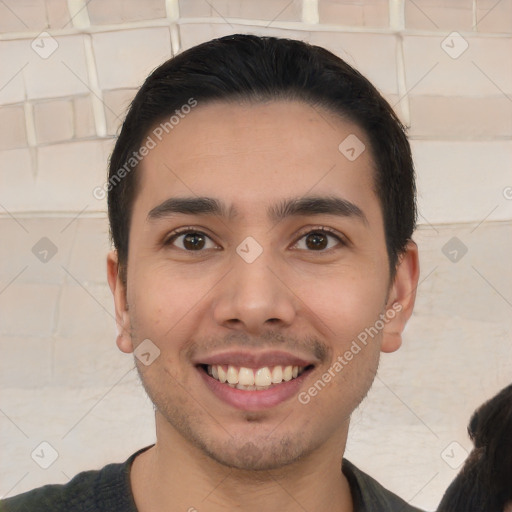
{"type": "Point", "coordinates": [254, 400]}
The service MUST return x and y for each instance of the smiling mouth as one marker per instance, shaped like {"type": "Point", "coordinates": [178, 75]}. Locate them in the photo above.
{"type": "Point", "coordinates": [254, 379]}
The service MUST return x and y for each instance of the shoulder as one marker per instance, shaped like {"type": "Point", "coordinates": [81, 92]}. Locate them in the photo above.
{"type": "Point", "coordinates": [89, 491]}
{"type": "Point", "coordinates": [78, 494]}
{"type": "Point", "coordinates": [371, 496]}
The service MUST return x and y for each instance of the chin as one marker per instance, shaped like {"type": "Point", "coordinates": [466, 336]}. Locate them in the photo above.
{"type": "Point", "coordinates": [256, 455]}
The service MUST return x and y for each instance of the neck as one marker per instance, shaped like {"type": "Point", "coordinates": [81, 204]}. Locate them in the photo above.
{"type": "Point", "coordinates": [176, 474]}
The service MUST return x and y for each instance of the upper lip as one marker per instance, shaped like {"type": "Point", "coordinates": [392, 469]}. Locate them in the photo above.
{"type": "Point", "coordinates": [253, 359]}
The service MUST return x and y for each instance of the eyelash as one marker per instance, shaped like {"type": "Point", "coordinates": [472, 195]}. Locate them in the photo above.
{"type": "Point", "coordinates": [320, 229]}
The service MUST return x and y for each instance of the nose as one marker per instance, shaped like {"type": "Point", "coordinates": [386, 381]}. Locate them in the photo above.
{"type": "Point", "coordinates": [254, 297]}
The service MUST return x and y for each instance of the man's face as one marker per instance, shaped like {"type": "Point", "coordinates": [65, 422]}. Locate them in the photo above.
{"type": "Point", "coordinates": [254, 290]}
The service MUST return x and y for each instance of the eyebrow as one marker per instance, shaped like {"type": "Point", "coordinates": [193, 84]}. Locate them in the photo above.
{"type": "Point", "coordinates": [301, 206]}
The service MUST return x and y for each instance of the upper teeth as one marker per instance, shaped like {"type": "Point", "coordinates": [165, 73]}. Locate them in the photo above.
{"type": "Point", "coordinates": [260, 377]}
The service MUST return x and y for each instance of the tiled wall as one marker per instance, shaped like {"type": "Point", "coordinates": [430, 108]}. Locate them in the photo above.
{"type": "Point", "coordinates": [68, 70]}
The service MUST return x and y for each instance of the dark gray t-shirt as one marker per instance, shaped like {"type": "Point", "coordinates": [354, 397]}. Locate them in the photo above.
{"type": "Point", "coordinates": [109, 490]}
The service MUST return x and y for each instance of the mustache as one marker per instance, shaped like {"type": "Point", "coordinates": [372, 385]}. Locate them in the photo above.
{"type": "Point", "coordinates": [269, 340]}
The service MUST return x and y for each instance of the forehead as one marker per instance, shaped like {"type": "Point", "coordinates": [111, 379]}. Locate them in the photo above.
{"type": "Point", "coordinates": [253, 154]}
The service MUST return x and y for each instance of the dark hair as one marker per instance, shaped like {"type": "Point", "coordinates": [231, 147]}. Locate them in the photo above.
{"type": "Point", "coordinates": [250, 68]}
{"type": "Point", "coordinates": [485, 481]}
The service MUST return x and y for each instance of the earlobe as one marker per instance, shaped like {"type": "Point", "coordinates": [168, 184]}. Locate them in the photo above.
{"type": "Point", "coordinates": [401, 298]}
{"type": "Point", "coordinates": [118, 290]}
{"type": "Point", "coordinates": [392, 341]}
{"type": "Point", "coordinates": [392, 332]}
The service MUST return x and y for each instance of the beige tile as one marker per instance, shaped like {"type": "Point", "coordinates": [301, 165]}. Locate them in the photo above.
{"type": "Point", "coordinates": [272, 10]}
{"type": "Point", "coordinates": [463, 181]}
{"type": "Point", "coordinates": [89, 252]}
{"type": "Point", "coordinates": [194, 8]}
{"type": "Point", "coordinates": [68, 174]}
{"type": "Point", "coordinates": [12, 127]}
{"type": "Point", "coordinates": [86, 355]}
{"type": "Point", "coordinates": [16, 177]}
{"type": "Point", "coordinates": [20, 253]}
{"type": "Point", "coordinates": [340, 13]}
{"type": "Point", "coordinates": [370, 13]}
{"type": "Point", "coordinates": [16, 16]}
{"type": "Point", "coordinates": [62, 73]}
{"type": "Point", "coordinates": [25, 362]}
{"type": "Point", "coordinates": [28, 310]}
{"type": "Point", "coordinates": [10, 20]}
{"type": "Point", "coordinates": [482, 70]}
{"type": "Point", "coordinates": [79, 421]}
{"type": "Point", "coordinates": [121, 11]}
{"type": "Point", "coordinates": [86, 310]}
{"type": "Point", "coordinates": [459, 117]}
{"type": "Point", "coordinates": [139, 51]}
{"type": "Point", "coordinates": [486, 245]}
{"type": "Point", "coordinates": [15, 251]}
{"type": "Point", "coordinates": [192, 34]}
{"type": "Point", "coordinates": [84, 125]}
{"type": "Point", "coordinates": [489, 55]}
{"type": "Point", "coordinates": [33, 15]}
{"type": "Point", "coordinates": [439, 15]}
{"type": "Point", "coordinates": [53, 121]}
{"type": "Point", "coordinates": [14, 56]}
{"type": "Point", "coordinates": [58, 14]}
{"type": "Point", "coordinates": [116, 106]}
{"type": "Point", "coordinates": [494, 16]}
{"type": "Point", "coordinates": [487, 5]}
{"type": "Point", "coordinates": [374, 55]}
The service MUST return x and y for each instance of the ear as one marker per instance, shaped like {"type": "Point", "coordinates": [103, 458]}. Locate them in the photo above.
{"type": "Point", "coordinates": [401, 299]}
{"type": "Point", "coordinates": [124, 341]}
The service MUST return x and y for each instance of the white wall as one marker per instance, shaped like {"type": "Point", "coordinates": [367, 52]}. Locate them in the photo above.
{"type": "Point", "coordinates": [62, 378]}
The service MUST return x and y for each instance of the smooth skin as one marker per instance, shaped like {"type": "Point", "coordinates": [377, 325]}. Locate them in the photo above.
{"type": "Point", "coordinates": [305, 295]}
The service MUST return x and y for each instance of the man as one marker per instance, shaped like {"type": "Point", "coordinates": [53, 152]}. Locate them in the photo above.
{"type": "Point", "coordinates": [261, 203]}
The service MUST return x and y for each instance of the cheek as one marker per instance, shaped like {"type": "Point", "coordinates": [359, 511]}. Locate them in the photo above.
{"type": "Point", "coordinates": [346, 303]}
{"type": "Point", "coordinates": [171, 303]}
{"type": "Point", "coordinates": [160, 299]}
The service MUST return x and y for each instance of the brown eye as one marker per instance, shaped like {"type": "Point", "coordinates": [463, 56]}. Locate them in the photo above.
{"type": "Point", "coordinates": [316, 241]}
{"type": "Point", "coordinates": [319, 241]}
{"type": "Point", "coordinates": [191, 241]}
